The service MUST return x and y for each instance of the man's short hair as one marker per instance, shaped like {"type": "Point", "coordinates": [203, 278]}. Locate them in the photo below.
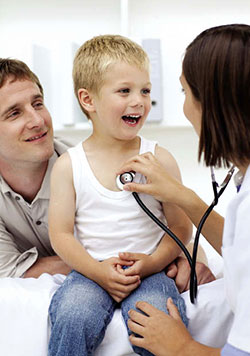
{"type": "Point", "coordinates": [18, 70]}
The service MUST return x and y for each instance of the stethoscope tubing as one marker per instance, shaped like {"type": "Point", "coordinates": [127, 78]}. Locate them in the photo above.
{"type": "Point", "coordinates": [176, 239]}
{"type": "Point", "coordinates": [191, 260]}
{"type": "Point", "coordinates": [217, 194]}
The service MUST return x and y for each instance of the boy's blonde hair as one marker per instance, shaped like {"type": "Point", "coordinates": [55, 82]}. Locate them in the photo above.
{"type": "Point", "coordinates": [96, 55]}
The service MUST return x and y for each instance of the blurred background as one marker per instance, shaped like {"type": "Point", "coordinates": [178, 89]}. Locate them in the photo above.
{"type": "Point", "coordinates": [46, 34]}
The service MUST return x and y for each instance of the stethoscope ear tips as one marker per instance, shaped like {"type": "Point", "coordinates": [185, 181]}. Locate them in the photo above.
{"type": "Point", "coordinates": [124, 178]}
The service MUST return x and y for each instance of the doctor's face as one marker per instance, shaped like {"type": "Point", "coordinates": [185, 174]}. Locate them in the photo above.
{"type": "Point", "coordinates": [191, 106]}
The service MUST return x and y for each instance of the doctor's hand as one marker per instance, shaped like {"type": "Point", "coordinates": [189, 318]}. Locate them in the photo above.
{"type": "Point", "coordinates": [179, 270]}
{"type": "Point", "coordinates": [118, 286]}
{"type": "Point", "coordinates": [160, 184]}
{"type": "Point", "coordinates": [161, 334]}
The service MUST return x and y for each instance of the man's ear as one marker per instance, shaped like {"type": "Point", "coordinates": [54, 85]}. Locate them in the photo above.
{"type": "Point", "coordinates": [86, 100]}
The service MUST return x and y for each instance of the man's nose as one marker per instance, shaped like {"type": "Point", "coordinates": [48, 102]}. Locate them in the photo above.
{"type": "Point", "coordinates": [35, 119]}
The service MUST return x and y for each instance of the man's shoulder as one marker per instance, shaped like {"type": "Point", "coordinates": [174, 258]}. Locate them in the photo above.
{"type": "Point", "coordinates": [61, 145]}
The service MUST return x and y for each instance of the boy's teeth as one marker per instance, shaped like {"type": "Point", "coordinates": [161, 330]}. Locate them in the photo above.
{"type": "Point", "coordinates": [131, 118]}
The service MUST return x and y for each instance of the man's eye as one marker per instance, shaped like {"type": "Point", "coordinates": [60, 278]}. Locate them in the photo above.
{"type": "Point", "coordinates": [38, 105]}
{"type": "Point", "coordinates": [13, 114]}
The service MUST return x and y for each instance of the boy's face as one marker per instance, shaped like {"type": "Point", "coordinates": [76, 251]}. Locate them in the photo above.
{"type": "Point", "coordinates": [123, 102]}
{"type": "Point", "coordinates": [25, 124]}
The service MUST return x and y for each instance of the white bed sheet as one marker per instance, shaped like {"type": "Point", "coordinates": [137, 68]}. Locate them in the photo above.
{"type": "Point", "coordinates": [24, 326]}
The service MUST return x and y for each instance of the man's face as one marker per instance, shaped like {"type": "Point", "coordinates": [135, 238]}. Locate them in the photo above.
{"type": "Point", "coordinates": [26, 133]}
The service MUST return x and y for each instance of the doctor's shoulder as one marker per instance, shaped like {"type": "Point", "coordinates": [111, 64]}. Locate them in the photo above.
{"type": "Point", "coordinates": [168, 161]}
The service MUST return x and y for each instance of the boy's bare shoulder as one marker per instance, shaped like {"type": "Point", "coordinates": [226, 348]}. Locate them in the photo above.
{"type": "Point", "coordinates": [63, 163]}
{"type": "Point", "coordinates": [168, 161]}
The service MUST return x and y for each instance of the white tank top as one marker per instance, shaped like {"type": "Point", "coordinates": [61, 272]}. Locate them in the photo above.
{"type": "Point", "coordinates": [109, 222]}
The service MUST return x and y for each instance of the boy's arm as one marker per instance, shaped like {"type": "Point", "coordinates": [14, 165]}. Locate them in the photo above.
{"type": "Point", "coordinates": [177, 221]}
{"type": "Point", "coordinates": [61, 231]}
{"type": "Point", "coordinates": [62, 218]}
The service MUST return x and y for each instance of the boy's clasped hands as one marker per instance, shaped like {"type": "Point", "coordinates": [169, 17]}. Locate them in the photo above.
{"type": "Point", "coordinates": [119, 276]}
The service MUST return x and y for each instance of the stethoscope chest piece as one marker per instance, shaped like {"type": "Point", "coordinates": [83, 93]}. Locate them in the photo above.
{"type": "Point", "coordinates": [126, 177]}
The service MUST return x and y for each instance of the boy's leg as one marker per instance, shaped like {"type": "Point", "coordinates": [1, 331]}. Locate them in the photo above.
{"type": "Point", "coordinates": [155, 290]}
{"type": "Point", "coordinates": [80, 311]}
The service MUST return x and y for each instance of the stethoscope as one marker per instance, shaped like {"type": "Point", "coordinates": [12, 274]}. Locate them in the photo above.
{"type": "Point", "coordinates": [128, 177]}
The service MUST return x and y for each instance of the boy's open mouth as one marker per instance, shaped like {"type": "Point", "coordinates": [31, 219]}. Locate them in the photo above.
{"type": "Point", "coordinates": [131, 119]}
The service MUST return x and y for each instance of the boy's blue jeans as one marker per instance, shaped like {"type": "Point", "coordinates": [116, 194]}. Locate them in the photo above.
{"type": "Point", "coordinates": [80, 311]}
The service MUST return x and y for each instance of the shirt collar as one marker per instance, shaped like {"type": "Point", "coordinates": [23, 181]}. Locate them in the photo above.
{"type": "Point", "coordinates": [5, 188]}
{"type": "Point", "coordinates": [44, 192]}
{"type": "Point", "coordinates": [246, 181]}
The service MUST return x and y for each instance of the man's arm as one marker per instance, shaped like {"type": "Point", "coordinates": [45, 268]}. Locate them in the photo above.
{"type": "Point", "coordinates": [14, 263]}
{"type": "Point", "coordinates": [51, 265]}
{"type": "Point", "coordinates": [180, 271]}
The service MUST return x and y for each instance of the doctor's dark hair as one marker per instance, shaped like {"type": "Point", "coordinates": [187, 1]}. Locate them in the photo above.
{"type": "Point", "coordinates": [18, 70]}
{"type": "Point", "coordinates": [216, 66]}
{"type": "Point", "coordinates": [97, 55]}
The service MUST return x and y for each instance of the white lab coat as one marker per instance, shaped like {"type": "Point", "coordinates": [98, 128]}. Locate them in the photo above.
{"type": "Point", "coordinates": [236, 254]}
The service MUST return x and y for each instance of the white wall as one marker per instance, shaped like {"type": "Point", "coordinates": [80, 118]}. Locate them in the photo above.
{"type": "Point", "coordinates": [44, 33]}
{"type": "Point", "coordinates": [177, 23]}
{"type": "Point", "coordinates": [56, 27]}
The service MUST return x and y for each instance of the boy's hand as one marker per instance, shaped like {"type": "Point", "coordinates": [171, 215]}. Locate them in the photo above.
{"type": "Point", "coordinates": [118, 285]}
{"type": "Point", "coordinates": [141, 264]}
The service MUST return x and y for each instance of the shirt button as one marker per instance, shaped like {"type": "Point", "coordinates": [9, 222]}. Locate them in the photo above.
{"type": "Point", "coordinates": [38, 222]}
{"type": "Point", "coordinates": [17, 198]}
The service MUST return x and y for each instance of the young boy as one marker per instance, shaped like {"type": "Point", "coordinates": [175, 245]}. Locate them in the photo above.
{"type": "Point", "coordinates": [116, 252]}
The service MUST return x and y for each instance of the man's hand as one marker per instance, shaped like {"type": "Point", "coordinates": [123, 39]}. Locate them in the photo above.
{"type": "Point", "coordinates": [180, 271]}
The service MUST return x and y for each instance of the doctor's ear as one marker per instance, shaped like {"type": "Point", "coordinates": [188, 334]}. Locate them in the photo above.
{"type": "Point", "coordinates": [86, 100]}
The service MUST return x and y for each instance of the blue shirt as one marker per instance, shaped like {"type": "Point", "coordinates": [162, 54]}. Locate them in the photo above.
{"type": "Point", "coordinates": [229, 350]}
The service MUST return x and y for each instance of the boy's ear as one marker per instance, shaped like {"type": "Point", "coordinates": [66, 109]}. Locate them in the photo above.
{"type": "Point", "coordinates": [86, 100]}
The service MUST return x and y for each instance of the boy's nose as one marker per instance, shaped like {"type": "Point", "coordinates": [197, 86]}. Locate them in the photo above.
{"type": "Point", "coordinates": [137, 100]}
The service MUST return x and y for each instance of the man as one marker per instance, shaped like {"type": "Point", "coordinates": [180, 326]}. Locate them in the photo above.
{"type": "Point", "coordinates": [27, 154]}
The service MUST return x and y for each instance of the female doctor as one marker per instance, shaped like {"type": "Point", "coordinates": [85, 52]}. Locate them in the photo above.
{"type": "Point", "coordinates": [216, 83]}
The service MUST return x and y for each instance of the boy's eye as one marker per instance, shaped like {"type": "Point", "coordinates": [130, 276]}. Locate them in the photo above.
{"type": "Point", "coordinates": [124, 91]}
{"type": "Point", "coordinates": [183, 90]}
{"type": "Point", "coordinates": [146, 91]}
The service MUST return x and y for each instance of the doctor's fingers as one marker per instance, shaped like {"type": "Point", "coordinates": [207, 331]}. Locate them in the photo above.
{"type": "Point", "coordinates": [138, 163]}
{"type": "Point", "coordinates": [173, 310]}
